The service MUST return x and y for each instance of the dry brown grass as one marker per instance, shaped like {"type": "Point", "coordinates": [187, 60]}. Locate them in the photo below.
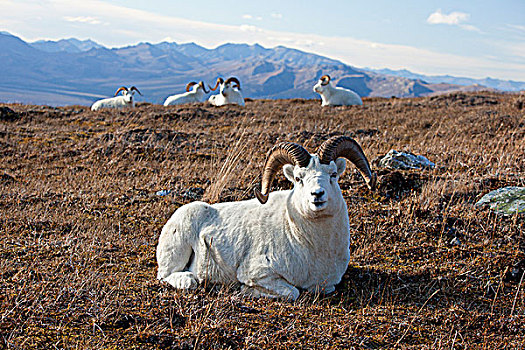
{"type": "Point", "coordinates": [79, 223]}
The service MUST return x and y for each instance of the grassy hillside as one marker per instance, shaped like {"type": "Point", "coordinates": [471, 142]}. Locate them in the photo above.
{"type": "Point", "coordinates": [80, 220]}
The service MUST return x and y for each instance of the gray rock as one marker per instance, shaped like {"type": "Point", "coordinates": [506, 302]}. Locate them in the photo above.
{"type": "Point", "coordinates": [163, 193]}
{"type": "Point", "coordinates": [404, 160]}
{"type": "Point", "coordinates": [505, 200]}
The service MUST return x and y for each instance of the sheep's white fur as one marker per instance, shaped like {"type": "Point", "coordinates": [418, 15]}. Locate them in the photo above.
{"type": "Point", "coordinates": [125, 100]}
{"type": "Point", "coordinates": [271, 249]}
{"type": "Point", "coordinates": [227, 95]}
{"type": "Point", "coordinates": [197, 94]}
{"type": "Point", "coordinates": [336, 96]}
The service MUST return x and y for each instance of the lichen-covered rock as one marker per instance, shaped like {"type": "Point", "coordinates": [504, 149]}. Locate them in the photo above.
{"type": "Point", "coordinates": [505, 200]}
{"type": "Point", "coordinates": [404, 160]}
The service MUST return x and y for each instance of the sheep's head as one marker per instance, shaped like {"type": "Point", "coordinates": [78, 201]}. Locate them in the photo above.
{"type": "Point", "coordinates": [316, 190]}
{"type": "Point", "coordinates": [199, 87]}
{"type": "Point", "coordinates": [321, 85]}
{"type": "Point", "coordinates": [127, 93]}
{"type": "Point", "coordinates": [315, 176]}
{"type": "Point", "coordinates": [229, 85]}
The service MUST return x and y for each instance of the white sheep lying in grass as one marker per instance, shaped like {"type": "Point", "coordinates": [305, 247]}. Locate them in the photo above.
{"type": "Point", "coordinates": [125, 100]}
{"type": "Point", "coordinates": [197, 94]}
{"type": "Point", "coordinates": [229, 94]}
{"type": "Point", "coordinates": [335, 96]}
{"type": "Point", "coordinates": [278, 244]}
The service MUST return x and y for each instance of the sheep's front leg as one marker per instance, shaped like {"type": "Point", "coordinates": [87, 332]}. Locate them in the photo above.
{"type": "Point", "coordinates": [272, 287]}
{"type": "Point", "coordinates": [182, 280]}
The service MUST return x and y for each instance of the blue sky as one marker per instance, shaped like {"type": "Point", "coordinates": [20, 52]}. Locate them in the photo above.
{"type": "Point", "coordinates": [463, 38]}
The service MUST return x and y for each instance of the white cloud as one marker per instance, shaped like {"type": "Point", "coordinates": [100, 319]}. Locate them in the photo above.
{"type": "Point", "coordinates": [247, 16]}
{"type": "Point", "coordinates": [453, 18]}
{"type": "Point", "coordinates": [514, 34]}
{"type": "Point", "coordinates": [277, 15]}
{"type": "Point", "coordinates": [470, 27]}
{"type": "Point", "coordinates": [517, 27]}
{"type": "Point", "coordinates": [249, 28]}
{"type": "Point", "coordinates": [81, 19]}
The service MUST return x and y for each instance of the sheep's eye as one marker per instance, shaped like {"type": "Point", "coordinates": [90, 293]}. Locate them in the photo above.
{"type": "Point", "coordinates": [298, 179]}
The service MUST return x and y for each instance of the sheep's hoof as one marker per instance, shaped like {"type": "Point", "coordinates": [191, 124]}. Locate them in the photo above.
{"type": "Point", "coordinates": [182, 280]}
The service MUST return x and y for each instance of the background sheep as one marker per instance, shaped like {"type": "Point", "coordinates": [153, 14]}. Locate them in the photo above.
{"type": "Point", "coordinates": [229, 94]}
{"type": "Point", "coordinates": [298, 239]}
{"type": "Point", "coordinates": [196, 95]}
{"type": "Point", "coordinates": [335, 96]}
{"type": "Point", "coordinates": [125, 100]}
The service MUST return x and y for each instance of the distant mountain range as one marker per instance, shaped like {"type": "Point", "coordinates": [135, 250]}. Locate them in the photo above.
{"type": "Point", "coordinates": [66, 45]}
{"type": "Point", "coordinates": [71, 71]}
{"type": "Point", "coordinates": [498, 84]}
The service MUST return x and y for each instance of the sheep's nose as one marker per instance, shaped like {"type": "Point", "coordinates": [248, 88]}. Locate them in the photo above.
{"type": "Point", "coordinates": [317, 193]}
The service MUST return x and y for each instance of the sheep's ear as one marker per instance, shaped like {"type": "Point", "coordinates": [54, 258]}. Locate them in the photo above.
{"type": "Point", "coordinates": [341, 165]}
{"type": "Point", "coordinates": [288, 172]}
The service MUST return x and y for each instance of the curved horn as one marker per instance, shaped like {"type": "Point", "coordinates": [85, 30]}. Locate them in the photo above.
{"type": "Point", "coordinates": [326, 79]}
{"type": "Point", "coordinates": [190, 84]}
{"type": "Point", "coordinates": [135, 89]}
{"type": "Point", "coordinates": [347, 147]}
{"type": "Point", "coordinates": [219, 81]}
{"type": "Point", "coordinates": [201, 84]}
{"type": "Point", "coordinates": [234, 80]}
{"type": "Point", "coordinates": [122, 88]}
{"type": "Point", "coordinates": [279, 155]}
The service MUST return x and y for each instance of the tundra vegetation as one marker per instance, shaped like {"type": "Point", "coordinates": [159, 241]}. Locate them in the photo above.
{"type": "Point", "coordinates": [80, 221]}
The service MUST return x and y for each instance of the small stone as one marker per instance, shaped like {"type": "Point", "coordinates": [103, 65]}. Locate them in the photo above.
{"type": "Point", "coordinates": [405, 160]}
{"type": "Point", "coordinates": [506, 200]}
{"type": "Point", "coordinates": [163, 193]}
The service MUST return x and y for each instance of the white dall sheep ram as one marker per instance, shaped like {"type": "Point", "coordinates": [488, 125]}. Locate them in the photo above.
{"type": "Point", "coordinates": [197, 94]}
{"type": "Point", "coordinates": [125, 100]}
{"type": "Point", "coordinates": [228, 94]}
{"type": "Point", "coordinates": [276, 244]}
{"type": "Point", "coordinates": [335, 96]}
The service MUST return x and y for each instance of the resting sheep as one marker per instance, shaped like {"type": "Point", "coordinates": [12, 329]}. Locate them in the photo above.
{"type": "Point", "coordinates": [125, 100]}
{"type": "Point", "coordinates": [229, 94]}
{"type": "Point", "coordinates": [335, 96]}
{"type": "Point", "coordinates": [276, 244]}
{"type": "Point", "coordinates": [196, 95]}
